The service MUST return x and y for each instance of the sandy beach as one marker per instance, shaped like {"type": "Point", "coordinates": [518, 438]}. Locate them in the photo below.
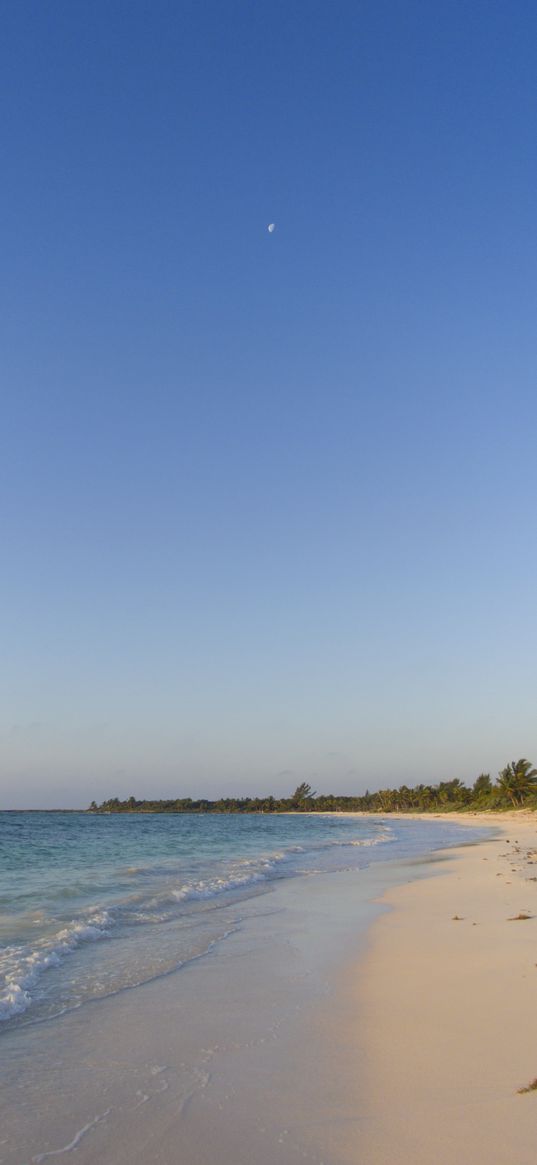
{"type": "Point", "coordinates": [251, 1052]}
{"type": "Point", "coordinates": [446, 1010]}
{"type": "Point", "coordinates": [358, 1017]}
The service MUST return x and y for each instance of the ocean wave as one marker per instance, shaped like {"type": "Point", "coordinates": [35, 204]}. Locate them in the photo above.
{"type": "Point", "coordinates": [341, 843]}
{"type": "Point", "coordinates": [237, 875]}
{"type": "Point", "coordinates": [213, 886]}
{"type": "Point", "coordinates": [175, 883]}
{"type": "Point", "coordinates": [386, 835]}
{"type": "Point", "coordinates": [243, 873]}
{"type": "Point", "coordinates": [22, 966]}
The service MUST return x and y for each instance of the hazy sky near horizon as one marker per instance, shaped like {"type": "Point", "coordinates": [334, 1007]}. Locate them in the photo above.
{"type": "Point", "coordinates": [268, 500]}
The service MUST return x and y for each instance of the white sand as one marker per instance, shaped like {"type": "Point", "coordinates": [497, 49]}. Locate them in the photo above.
{"type": "Point", "coordinates": [447, 1011]}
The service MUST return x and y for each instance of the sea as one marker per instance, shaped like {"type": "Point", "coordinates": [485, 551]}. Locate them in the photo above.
{"type": "Point", "coordinates": [95, 904]}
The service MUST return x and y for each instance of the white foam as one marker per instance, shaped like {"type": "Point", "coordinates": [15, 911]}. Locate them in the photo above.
{"type": "Point", "coordinates": [368, 841]}
{"type": "Point", "coordinates": [385, 834]}
{"type": "Point", "coordinates": [21, 966]}
{"type": "Point", "coordinates": [75, 1141]}
{"type": "Point", "coordinates": [251, 871]}
{"type": "Point", "coordinates": [214, 886]}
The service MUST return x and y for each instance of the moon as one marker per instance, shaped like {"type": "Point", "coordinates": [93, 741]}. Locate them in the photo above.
{"type": "Point", "coordinates": [271, 227]}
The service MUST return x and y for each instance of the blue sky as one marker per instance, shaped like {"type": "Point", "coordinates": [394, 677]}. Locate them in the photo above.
{"type": "Point", "coordinates": [267, 501]}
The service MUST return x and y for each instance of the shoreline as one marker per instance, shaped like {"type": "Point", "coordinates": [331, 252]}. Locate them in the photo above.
{"type": "Point", "coordinates": [232, 1058]}
{"type": "Point", "coordinates": [246, 1053]}
{"type": "Point", "coordinates": [295, 1036]}
{"type": "Point", "coordinates": [444, 1001]}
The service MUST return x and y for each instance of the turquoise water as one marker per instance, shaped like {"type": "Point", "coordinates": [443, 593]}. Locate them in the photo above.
{"type": "Point", "coordinates": [93, 904]}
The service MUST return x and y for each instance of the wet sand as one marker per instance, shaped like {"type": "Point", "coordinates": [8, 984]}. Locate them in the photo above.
{"type": "Point", "coordinates": [239, 1057]}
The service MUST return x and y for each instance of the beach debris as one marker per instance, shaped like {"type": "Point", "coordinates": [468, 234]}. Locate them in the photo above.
{"type": "Point", "coordinates": [457, 918]}
{"type": "Point", "coordinates": [522, 917]}
{"type": "Point", "coordinates": [529, 1087]}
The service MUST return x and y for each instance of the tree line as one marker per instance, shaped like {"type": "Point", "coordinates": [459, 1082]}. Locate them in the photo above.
{"type": "Point", "coordinates": [514, 788]}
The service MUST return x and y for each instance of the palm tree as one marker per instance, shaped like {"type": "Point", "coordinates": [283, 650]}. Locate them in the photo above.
{"type": "Point", "coordinates": [452, 792]}
{"type": "Point", "coordinates": [482, 785]}
{"type": "Point", "coordinates": [423, 797]}
{"type": "Point", "coordinates": [403, 797]}
{"type": "Point", "coordinates": [517, 780]}
{"type": "Point", "coordinates": [386, 800]}
{"type": "Point", "coordinates": [303, 796]}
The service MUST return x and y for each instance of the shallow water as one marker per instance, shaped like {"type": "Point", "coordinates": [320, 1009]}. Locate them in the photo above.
{"type": "Point", "coordinates": [91, 904]}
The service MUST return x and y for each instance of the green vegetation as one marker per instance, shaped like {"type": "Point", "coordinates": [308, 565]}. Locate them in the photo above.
{"type": "Point", "coordinates": [517, 781]}
{"type": "Point", "coordinates": [516, 787]}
